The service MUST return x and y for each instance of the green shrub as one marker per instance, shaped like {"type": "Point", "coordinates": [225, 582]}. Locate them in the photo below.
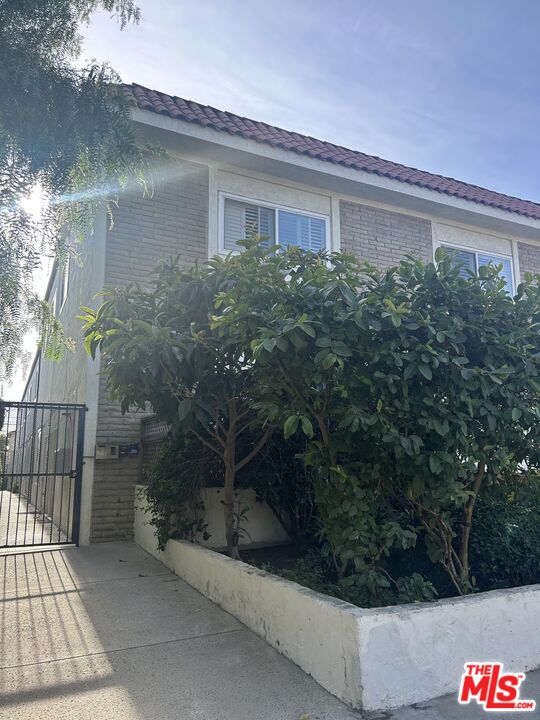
{"type": "Point", "coordinates": [369, 589]}
{"type": "Point", "coordinates": [417, 387]}
{"type": "Point", "coordinates": [280, 478]}
{"type": "Point", "coordinates": [173, 493]}
{"type": "Point", "coordinates": [505, 546]}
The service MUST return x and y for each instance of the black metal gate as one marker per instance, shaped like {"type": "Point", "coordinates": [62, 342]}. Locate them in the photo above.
{"type": "Point", "coordinates": [41, 460]}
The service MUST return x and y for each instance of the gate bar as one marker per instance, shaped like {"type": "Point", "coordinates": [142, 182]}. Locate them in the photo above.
{"type": "Point", "coordinates": [77, 492]}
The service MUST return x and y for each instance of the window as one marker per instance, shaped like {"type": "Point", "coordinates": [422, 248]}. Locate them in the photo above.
{"type": "Point", "coordinates": [471, 260]}
{"type": "Point", "coordinates": [242, 219]}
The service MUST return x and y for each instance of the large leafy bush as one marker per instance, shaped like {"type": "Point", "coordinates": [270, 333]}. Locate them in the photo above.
{"type": "Point", "coordinates": [415, 392]}
{"type": "Point", "coordinates": [419, 388]}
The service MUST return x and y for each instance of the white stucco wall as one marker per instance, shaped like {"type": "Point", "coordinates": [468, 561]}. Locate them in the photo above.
{"type": "Point", "coordinates": [260, 525]}
{"type": "Point", "coordinates": [374, 659]}
{"type": "Point", "coordinates": [74, 378]}
{"type": "Point", "coordinates": [476, 240]}
{"type": "Point", "coordinates": [423, 647]}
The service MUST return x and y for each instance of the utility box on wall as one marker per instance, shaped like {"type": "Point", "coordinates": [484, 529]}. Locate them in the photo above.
{"type": "Point", "coordinates": [107, 452]}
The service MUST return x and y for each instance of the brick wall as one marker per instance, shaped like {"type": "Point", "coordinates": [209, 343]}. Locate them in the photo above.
{"type": "Point", "coordinates": [382, 237]}
{"type": "Point", "coordinates": [113, 501]}
{"type": "Point", "coordinates": [172, 222]}
{"type": "Point", "coordinates": [529, 258]}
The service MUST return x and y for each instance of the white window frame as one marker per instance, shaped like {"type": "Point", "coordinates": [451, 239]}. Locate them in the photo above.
{"type": "Point", "coordinates": [476, 252]}
{"type": "Point", "coordinates": [222, 196]}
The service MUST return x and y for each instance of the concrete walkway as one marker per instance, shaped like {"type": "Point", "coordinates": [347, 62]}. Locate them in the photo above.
{"type": "Point", "coordinates": [21, 523]}
{"type": "Point", "coordinates": [106, 632]}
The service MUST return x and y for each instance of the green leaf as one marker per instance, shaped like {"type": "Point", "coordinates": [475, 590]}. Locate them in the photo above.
{"type": "Point", "coordinates": [418, 485]}
{"type": "Point", "coordinates": [282, 343]}
{"type": "Point", "coordinates": [341, 349]}
{"type": "Point", "coordinates": [269, 344]}
{"type": "Point", "coordinates": [434, 464]}
{"type": "Point", "coordinates": [184, 407]}
{"type": "Point", "coordinates": [307, 427]}
{"type": "Point", "coordinates": [329, 360]}
{"type": "Point", "coordinates": [426, 371]}
{"type": "Point", "coordinates": [308, 329]}
{"type": "Point", "coordinates": [410, 371]}
{"type": "Point", "coordinates": [290, 426]}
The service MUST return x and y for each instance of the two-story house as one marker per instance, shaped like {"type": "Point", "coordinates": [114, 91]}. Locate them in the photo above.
{"type": "Point", "coordinates": [222, 174]}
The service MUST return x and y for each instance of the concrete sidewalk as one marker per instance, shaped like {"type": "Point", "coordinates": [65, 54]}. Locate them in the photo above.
{"type": "Point", "coordinates": [106, 632]}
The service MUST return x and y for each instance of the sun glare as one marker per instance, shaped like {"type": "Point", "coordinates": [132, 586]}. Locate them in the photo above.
{"type": "Point", "coordinates": [33, 204]}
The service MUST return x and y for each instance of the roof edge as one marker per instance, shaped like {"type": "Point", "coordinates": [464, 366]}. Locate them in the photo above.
{"type": "Point", "coordinates": [236, 125]}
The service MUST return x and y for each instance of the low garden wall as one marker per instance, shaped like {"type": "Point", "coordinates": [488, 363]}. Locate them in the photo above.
{"type": "Point", "coordinates": [373, 659]}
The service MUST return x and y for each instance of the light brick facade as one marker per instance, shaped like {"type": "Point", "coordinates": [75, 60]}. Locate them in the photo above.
{"type": "Point", "coordinates": [529, 258]}
{"type": "Point", "coordinates": [171, 222]}
{"type": "Point", "coordinates": [382, 237]}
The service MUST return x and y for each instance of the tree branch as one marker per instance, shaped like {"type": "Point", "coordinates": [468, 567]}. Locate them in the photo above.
{"type": "Point", "coordinates": [243, 414]}
{"type": "Point", "coordinates": [208, 444]}
{"type": "Point", "coordinates": [258, 447]}
{"type": "Point", "coordinates": [246, 426]}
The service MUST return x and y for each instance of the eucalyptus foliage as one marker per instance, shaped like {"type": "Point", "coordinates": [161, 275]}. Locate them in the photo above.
{"type": "Point", "coordinates": [64, 127]}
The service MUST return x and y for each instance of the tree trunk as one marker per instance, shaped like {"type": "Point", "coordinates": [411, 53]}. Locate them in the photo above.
{"type": "Point", "coordinates": [229, 460]}
{"type": "Point", "coordinates": [466, 527]}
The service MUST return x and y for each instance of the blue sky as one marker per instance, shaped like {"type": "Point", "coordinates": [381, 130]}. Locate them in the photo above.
{"type": "Point", "coordinates": [450, 86]}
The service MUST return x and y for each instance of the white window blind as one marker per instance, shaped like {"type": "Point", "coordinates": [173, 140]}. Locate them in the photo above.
{"type": "Point", "coordinates": [242, 220]}
{"type": "Point", "coordinates": [304, 231]}
{"type": "Point", "coordinates": [466, 259]}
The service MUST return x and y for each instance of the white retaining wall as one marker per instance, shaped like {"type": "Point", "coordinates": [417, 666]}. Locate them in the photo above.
{"type": "Point", "coordinates": [372, 659]}
{"type": "Point", "coordinates": [261, 526]}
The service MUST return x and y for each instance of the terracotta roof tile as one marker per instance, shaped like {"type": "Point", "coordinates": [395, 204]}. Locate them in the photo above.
{"type": "Point", "coordinates": [207, 116]}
